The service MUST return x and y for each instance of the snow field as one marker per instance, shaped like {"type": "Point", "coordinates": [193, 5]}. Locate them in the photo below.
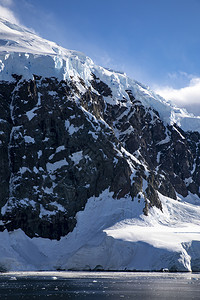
{"type": "Point", "coordinates": [114, 235]}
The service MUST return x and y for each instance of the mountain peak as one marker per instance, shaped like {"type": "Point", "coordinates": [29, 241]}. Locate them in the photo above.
{"type": "Point", "coordinates": [16, 38]}
{"type": "Point", "coordinates": [25, 53]}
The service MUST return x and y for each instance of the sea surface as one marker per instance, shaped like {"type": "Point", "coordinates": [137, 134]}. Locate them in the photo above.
{"type": "Point", "coordinates": [98, 285]}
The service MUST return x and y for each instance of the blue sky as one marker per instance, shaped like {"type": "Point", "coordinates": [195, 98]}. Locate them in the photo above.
{"type": "Point", "coordinates": [156, 42]}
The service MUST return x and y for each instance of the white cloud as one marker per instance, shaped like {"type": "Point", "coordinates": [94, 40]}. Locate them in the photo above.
{"type": "Point", "coordinates": [188, 96]}
{"type": "Point", "coordinates": [8, 14]}
{"type": "Point", "coordinates": [185, 95]}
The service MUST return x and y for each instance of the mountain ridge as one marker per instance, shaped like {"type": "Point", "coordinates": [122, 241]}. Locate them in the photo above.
{"type": "Point", "coordinates": [80, 66]}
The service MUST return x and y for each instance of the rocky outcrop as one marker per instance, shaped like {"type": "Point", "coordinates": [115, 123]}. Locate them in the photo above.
{"type": "Point", "coordinates": [56, 156]}
{"type": "Point", "coordinates": [61, 145]}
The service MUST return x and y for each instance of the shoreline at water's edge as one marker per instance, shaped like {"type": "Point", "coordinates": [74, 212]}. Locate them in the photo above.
{"type": "Point", "coordinates": [100, 272]}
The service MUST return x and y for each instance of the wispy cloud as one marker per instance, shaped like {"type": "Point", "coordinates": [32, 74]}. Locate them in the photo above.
{"type": "Point", "coordinates": [188, 96]}
{"type": "Point", "coordinates": [6, 11]}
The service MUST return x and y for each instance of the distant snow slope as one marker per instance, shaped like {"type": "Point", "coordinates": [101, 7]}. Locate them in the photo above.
{"type": "Point", "coordinates": [25, 53]}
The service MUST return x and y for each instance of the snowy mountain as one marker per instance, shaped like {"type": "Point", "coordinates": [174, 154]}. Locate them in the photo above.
{"type": "Point", "coordinates": [97, 171]}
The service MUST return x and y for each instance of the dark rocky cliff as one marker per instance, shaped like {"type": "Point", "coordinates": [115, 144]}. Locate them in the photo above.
{"type": "Point", "coordinates": [59, 147]}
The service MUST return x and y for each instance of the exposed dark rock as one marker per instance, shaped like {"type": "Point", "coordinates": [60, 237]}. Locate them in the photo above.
{"type": "Point", "coordinates": [56, 153]}
{"type": "Point", "coordinates": [102, 88]}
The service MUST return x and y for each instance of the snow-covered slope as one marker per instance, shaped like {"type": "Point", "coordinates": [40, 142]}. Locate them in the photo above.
{"type": "Point", "coordinates": [87, 155]}
{"type": "Point", "coordinates": [114, 236]}
{"type": "Point", "coordinates": [23, 52]}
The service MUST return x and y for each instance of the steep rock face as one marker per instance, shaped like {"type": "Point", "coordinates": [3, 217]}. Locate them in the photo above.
{"type": "Point", "coordinates": [63, 142]}
{"type": "Point", "coordinates": [56, 156]}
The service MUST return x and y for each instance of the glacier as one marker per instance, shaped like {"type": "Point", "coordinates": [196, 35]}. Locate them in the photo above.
{"type": "Point", "coordinates": [110, 234]}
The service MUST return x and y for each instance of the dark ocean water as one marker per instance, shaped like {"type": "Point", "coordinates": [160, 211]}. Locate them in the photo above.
{"type": "Point", "coordinates": [99, 285]}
